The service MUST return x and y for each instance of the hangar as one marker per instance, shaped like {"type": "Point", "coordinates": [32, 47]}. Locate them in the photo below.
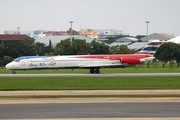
{"type": "Point", "coordinates": [160, 36]}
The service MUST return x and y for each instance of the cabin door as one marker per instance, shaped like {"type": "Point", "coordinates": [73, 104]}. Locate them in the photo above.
{"type": "Point", "coordinates": [24, 63]}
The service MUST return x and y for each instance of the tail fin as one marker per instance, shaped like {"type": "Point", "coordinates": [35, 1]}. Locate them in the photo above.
{"type": "Point", "coordinates": [151, 47]}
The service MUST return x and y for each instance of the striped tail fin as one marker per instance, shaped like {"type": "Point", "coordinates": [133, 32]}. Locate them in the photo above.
{"type": "Point", "coordinates": [151, 47]}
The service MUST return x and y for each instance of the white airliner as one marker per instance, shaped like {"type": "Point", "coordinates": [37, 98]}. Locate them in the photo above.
{"type": "Point", "coordinates": [92, 62]}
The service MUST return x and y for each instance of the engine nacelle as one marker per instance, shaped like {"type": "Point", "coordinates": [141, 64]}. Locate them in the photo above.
{"type": "Point", "coordinates": [130, 61]}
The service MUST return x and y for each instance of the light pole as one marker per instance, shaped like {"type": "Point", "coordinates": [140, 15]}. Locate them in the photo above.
{"type": "Point", "coordinates": [18, 30]}
{"type": "Point", "coordinates": [71, 29]}
{"type": "Point", "coordinates": [147, 29]}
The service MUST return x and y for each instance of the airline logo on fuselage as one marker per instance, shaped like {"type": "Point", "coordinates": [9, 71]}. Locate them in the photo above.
{"type": "Point", "coordinates": [37, 65]}
{"type": "Point", "coordinates": [52, 64]}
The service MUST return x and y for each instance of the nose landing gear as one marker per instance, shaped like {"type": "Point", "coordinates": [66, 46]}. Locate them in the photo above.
{"type": "Point", "coordinates": [13, 71]}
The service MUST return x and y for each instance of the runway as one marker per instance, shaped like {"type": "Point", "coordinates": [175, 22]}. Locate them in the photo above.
{"type": "Point", "coordinates": [91, 75]}
{"type": "Point", "coordinates": [90, 110]}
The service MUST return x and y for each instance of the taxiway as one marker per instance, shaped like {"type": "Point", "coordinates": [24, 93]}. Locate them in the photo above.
{"type": "Point", "coordinates": [90, 75]}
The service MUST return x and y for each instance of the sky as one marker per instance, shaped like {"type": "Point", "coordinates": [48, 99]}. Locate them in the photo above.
{"type": "Point", "coordinates": [127, 15]}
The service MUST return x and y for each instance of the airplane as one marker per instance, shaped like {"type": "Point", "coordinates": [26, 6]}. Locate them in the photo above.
{"type": "Point", "coordinates": [92, 62]}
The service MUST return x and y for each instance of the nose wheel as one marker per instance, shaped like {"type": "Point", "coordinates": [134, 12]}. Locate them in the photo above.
{"type": "Point", "coordinates": [13, 71]}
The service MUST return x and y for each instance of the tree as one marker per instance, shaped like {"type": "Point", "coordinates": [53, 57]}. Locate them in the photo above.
{"type": "Point", "coordinates": [28, 48]}
{"type": "Point", "coordinates": [122, 49]}
{"type": "Point", "coordinates": [7, 59]}
{"type": "Point", "coordinates": [1, 50]}
{"type": "Point", "coordinates": [79, 47]}
{"type": "Point", "coordinates": [49, 48]}
{"type": "Point", "coordinates": [104, 48]}
{"type": "Point", "coordinates": [167, 52]}
{"type": "Point", "coordinates": [12, 49]}
{"type": "Point", "coordinates": [40, 48]}
{"type": "Point", "coordinates": [99, 48]}
{"type": "Point", "coordinates": [73, 32]}
{"type": "Point", "coordinates": [63, 47]}
{"type": "Point", "coordinates": [177, 56]}
{"type": "Point", "coordinates": [110, 40]}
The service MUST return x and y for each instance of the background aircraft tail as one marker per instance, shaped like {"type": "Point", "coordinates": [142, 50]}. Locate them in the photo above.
{"type": "Point", "coordinates": [151, 47]}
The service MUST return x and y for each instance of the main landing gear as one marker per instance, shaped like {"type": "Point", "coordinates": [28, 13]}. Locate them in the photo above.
{"type": "Point", "coordinates": [92, 71]}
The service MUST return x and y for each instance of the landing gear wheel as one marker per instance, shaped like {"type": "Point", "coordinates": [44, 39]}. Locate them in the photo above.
{"type": "Point", "coordinates": [14, 72]}
{"type": "Point", "coordinates": [92, 71]}
{"type": "Point", "coordinates": [97, 71]}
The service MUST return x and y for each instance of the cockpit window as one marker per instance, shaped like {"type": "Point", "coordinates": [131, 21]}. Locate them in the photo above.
{"type": "Point", "coordinates": [16, 60]}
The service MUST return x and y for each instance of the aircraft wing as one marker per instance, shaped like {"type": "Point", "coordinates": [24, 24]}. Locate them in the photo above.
{"type": "Point", "coordinates": [147, 59]}
{"type": "Point", "coordinates": [97, 66]}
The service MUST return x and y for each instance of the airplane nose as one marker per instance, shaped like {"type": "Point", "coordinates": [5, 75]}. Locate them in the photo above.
{"type": "Point", "coordinates": [8, 66]}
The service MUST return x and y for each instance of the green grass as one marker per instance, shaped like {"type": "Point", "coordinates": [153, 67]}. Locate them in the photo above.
{"type": "Point", "coordinates": [104, 70]}
{"type": "Point", "coordinates": [90, 83]}
{"type": "Point", "coordinates": [93, 96]}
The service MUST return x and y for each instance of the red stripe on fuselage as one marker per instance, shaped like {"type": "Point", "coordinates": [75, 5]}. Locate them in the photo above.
{"type": "Point", "coordinates": [112, 57]}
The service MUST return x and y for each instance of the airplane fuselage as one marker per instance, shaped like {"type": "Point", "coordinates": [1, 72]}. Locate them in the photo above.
{"type": "Point", "coordinates": [76, 61]}
{"type": "Point", "coordinates": [92, 62]}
